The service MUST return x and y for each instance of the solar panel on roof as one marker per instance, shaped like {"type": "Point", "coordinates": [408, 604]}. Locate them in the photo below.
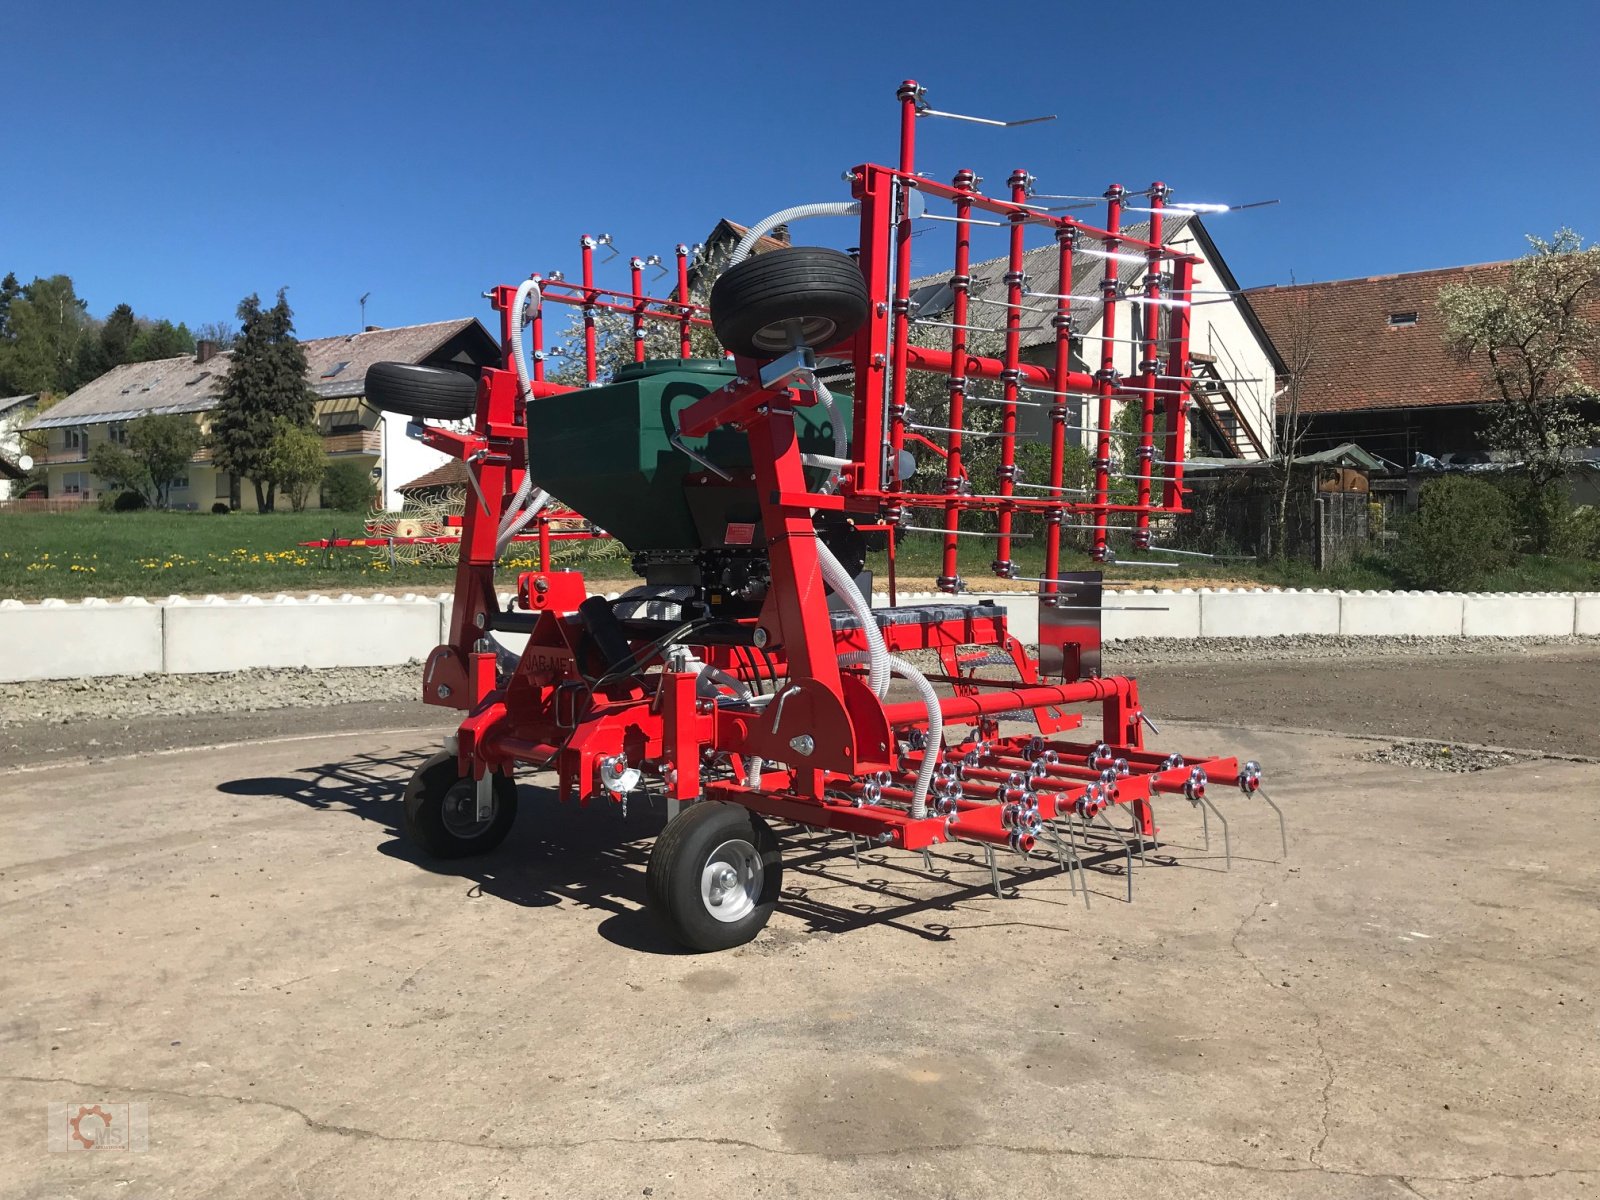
{"type": "Point", "coordinates": [335, 369]}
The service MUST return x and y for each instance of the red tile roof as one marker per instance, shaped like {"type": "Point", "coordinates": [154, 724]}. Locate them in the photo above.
{"type": "Point", "coordinates": [447, 474]}
{"type": "Point", "coordinates": [1359, 360]}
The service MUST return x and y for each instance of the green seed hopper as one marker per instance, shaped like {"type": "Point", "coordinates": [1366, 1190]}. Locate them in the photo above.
{"type": "Point", "coordinates": [607, 453]}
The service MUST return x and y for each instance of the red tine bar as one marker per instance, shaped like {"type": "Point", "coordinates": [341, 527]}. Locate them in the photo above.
{"type": "Point", "coordinates": [1104, 384]}
{"type": "Point", "coordinates": [1002, 565]}
{"type": "Point", "coordinates": [954, 474]}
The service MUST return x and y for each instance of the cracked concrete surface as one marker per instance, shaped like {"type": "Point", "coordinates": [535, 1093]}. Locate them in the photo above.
{"type": "Point", "coordinates": [236, 937]}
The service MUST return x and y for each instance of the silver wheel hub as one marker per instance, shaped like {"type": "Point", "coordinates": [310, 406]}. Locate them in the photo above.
{"type": "Point", "coordinates": [731, 880]}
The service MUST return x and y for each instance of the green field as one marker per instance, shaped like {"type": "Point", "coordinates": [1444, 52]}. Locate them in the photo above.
{"type": "Point", "coordinates": [158, 554]}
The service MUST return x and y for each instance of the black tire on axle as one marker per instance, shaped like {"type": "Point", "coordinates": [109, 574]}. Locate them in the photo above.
{"type": "Point", "coordinates": [753, 304]}
{"type": "Point", "coordinates": [439, 810]}
{"type": "Point", "coordinates": [695, 853]}
{"type": "Point", "coordinates": [435, 393]}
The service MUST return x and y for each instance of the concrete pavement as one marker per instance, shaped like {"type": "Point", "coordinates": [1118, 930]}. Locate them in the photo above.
{"type": "Point", "coordinates": [238, 939]}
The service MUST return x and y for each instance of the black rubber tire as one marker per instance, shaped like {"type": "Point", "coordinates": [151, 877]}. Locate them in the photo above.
{"type": "Point", "coordinates": [436, 393]}
{"type": "Point", "coordinates": [823, 289]}
{"type": "Point", "coordinates": [680, 856]}
{"type": "Point", "coordinates": [437, 783]}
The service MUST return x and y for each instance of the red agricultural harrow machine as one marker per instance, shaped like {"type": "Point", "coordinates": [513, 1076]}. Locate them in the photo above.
{"type": "Point", "coordinates": [748, 681]}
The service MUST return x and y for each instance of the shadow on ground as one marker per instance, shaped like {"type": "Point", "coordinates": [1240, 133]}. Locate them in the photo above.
{"type": "Point", "coordinates": [595, 856]}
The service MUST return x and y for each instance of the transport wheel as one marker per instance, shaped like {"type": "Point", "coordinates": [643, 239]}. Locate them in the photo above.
{"type": "Point", "coordinates": [422, 392]}
{"type": "Point", "coordinates": [714, 876]}
{"type": "Point", "coordinates": [816, 293]}
{"type": "Point", "coordinates": [440, 810]}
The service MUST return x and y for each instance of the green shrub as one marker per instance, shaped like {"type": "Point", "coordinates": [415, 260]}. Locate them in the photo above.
{"type": "Point", "coordinates": [1578, 535]}
{"type": "Point", "coordinates": [348, 486]}
{"type": "Point", "coordinates": [129, 501]}
{"type": "Point", "coordinates": [1463, 532]}
{"type": "Point", "coordinates": [221, 507]}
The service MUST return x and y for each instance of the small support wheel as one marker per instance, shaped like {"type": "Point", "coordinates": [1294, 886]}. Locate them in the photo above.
{"type": "Point", "coordinates": [714, 876]}
{"type": "Point", "coordinates": [806, 295]}
{"type": "Point", "coordinates": [425, 393]}
{"type": "Point", "coordinates": [440, 810]}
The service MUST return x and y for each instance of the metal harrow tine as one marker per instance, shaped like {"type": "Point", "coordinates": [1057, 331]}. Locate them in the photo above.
{"type": "Point", "coordinates": [1227, 844]}
{"type": "Point", "coordinates": [1064, 850]}
{"type": "Point", "coordinates": [1283, 830]}
{"type": "Point", "coordinates": [1127, 849]}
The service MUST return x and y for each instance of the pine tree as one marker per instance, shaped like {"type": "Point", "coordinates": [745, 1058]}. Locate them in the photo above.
{"type": "Point", "coordinates": [116, 336]}
{"type": "Point", "coordinates": [265, 385]}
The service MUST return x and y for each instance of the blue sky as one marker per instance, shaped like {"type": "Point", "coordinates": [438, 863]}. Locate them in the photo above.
{"type": "Point", "coordinates": [178, 156]}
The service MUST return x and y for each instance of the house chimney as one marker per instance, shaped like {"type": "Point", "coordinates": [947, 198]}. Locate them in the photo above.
{"type": "Point", "coordinates": [372, 329]}
{"type": "Point", "coordinates": [204, 351]}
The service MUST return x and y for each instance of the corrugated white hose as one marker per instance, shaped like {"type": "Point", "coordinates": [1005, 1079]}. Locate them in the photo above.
{"type": "Point", "coordinates": [844, 586]}
{"type": "Point", "coordinates": [836, 208]}
{"type": "Point", "coordinates": [514, 522]}
{"type": "Point", "coordinates": [841, 442]}
{"type": "Point", "coordinates": [713, 676]}
{"type": "Point", "coordinates": [930, 701]}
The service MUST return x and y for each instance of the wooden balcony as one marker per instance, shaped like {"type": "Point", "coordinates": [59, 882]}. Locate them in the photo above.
{"type": "Point", "coordinates": [367, 441]}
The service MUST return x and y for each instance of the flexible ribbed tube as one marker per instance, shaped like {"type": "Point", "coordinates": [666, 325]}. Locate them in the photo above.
{"type": "Point", "coordinates": [930, 701]}
{"type": "Point", "coordinates": [836, 208]}
{"type": "Point", "coordinates": [845, 587]}
{"type": "Point", "coordinates": [841, 442]}
{"type": "Point", "coordinates": [514, 522]}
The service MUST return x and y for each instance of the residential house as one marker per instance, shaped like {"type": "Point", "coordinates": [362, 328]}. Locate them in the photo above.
{"type": "Point", "coordinates": [15, 412]}
{"type": "Point", "coordinates": [1235, 363]}
{"type": "Point", "coordinates": [1378, 371]}
{"type": "Point", "coordinates": [336, 370]}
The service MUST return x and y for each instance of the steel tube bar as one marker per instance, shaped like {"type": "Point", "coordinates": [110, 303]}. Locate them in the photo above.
{"type": "Point", "coordinates": [684, 347]}
{"type": "Point", "coordinates": [931, 358]}
{"type": "Point", "coordinates": [636, 273]}
{"type": "Point", "coordinates": [1177, 407]}
{"type": "Point", "coordinates": [900, 301]}
{"type": "Point", "coordinates": [1148, 367]}
{"type": "Point", "coordinates": [1065, 243]}
{"type": "Point", "coordinates": [955, 473]}
{"type": "Point", "coordinates": [1101, 548]}
{"type": "Point", "coordinates": [1002, 565]}
{"type": "Point", "coordinates": [590, 360]}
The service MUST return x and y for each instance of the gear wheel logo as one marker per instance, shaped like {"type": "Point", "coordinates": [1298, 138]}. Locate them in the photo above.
{"type": "Point", "coordinates": [93, 1138]}
{"type": "Point", "coordinates": [99, 1125]}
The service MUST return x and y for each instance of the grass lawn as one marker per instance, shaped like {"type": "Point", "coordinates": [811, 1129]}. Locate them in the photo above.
{"type": "Point", "coordinates": [156, 554]}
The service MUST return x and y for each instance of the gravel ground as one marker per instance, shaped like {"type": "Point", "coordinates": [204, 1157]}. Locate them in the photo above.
{"type": "Point", "coordinates": [1436, 756]}
{"type": "Point", "coordinates": [74, 701]}
{"type": "Point", "coordinates": [87, 700]}
{"type": "Point", "coordinates": [1136, 652]}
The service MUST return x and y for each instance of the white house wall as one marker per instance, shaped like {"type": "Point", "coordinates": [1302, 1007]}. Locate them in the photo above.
{"type": "Point", "coordinates": [402, 459]}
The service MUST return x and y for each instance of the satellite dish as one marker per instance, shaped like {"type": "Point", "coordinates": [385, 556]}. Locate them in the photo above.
{"type": "Point", "coordinates": [26, 462]}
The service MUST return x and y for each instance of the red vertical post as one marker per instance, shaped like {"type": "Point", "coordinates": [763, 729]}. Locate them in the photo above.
{"type": "Point", "coordinates": [544, 542]}
{"type": "Point", "coordinates": [636, 272]}
{"type": "Point", "coordinates": [1010, 377]}
{"type": "Point", "coordinates": [590, 366]}
{"type": "Point", "coordinates": [536, 326]}
{"type": "Point", "coordinates": [1105, 379]}
{"type": "Point", "coordinates": [874, 188]}
{"type": "Point", "coordinates": [1148, 370]}
{"type": "Point", "coordinates": [685, 350]}
{"type": "Point", "coordinates": [1178, 365]}
{"type": "Point", "coordinates": [954, 475]}
{"type": "Point", "coordinates": [900, 302]}
{"type": "Point", "coordinates": [1066, 240]}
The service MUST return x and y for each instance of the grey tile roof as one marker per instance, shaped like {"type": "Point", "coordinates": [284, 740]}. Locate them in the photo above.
{"type": "Point", "coordinates": [1042, 267]}
{"type": "Point", "coordinates": [179, 385]}
{"type": "Point", "coordinates": [7, 403]}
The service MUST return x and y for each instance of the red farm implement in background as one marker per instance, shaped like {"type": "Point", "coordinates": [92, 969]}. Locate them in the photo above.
{"type": "Point", "coordinates": [748, 681]}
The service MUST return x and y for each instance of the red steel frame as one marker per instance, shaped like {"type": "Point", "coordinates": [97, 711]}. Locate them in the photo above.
{"type": "Point", "coordinates": [547, 714]}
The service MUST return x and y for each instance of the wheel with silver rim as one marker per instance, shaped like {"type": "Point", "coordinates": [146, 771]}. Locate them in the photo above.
{"type": "Point", "coordinates": [714, 876]}
{"type": "Point", "coordinates": [440, 810]}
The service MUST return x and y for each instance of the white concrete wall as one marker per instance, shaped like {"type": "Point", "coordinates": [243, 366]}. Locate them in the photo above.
{"type": "Point", "coordinates": [57, 640]}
